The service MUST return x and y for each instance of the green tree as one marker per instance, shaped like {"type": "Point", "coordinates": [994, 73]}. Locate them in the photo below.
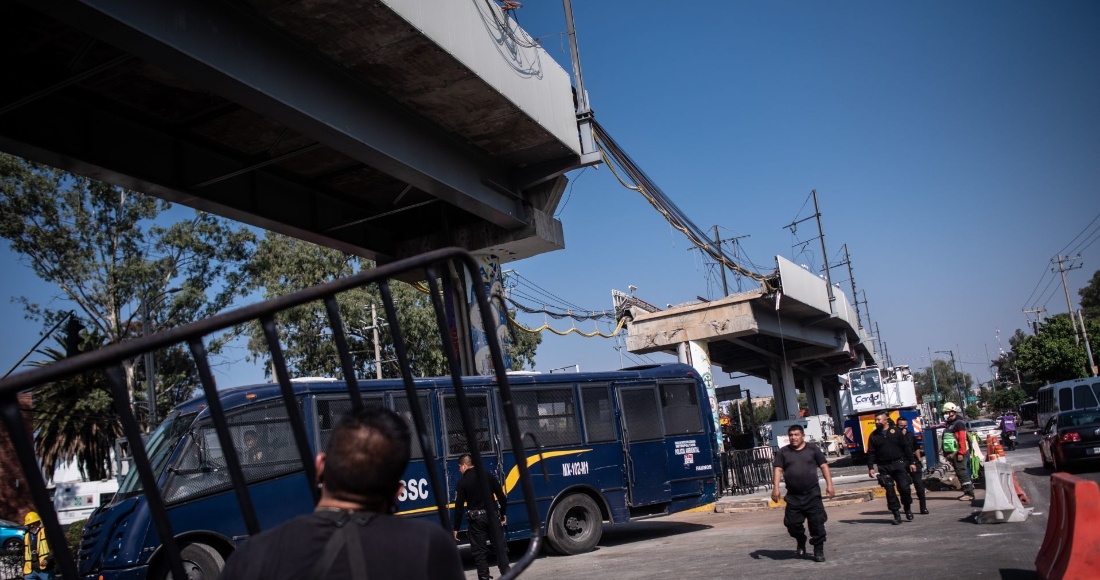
{"type": "Point", "coordinates": [1053, 354]}
{"type": "Point", "coordinates": [74, 422]}
{"type": "Point", "coordinates": [947, 381]}
{"type": "Point", "coordinates": [282, 265]}
{"type": "Point", "coordinates": [107, 250]}
{"type": "Point", "coordinates": [1007, 399]}
{"type": "Point", "coordinates": [1090, 298]}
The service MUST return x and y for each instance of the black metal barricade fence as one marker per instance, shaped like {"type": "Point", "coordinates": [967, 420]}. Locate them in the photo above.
{"type": "Point", "coordinates": [749, 469]}
{"type": "Point", "coordinates": [110, 359]}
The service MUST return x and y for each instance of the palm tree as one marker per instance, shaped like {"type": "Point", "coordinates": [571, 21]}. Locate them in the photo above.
{"type": "Point", "coordinates": [74, 421]}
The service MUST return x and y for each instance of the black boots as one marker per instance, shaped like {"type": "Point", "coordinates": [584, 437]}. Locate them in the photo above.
{"type": "Point", "coordinates": [924, 510]}
{"type": "Point", "coordinates": [908, 514]}
{"type": "Point", "coordinates": [819, 553]}
{"type": "Point", "coordinates": [897, 517]}
{"type": "Point", "coordinates": [800, 550]}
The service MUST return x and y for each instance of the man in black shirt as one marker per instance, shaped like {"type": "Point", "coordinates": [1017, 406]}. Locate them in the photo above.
{"type": "Point", "coordinates": [351, 533]}
{"type": "Point", "coordinates": [889, 449]}
{"type": "Point", "coordinates": [468, 495]}
{"type": "Point", "coordinates": [798, 464]}
{"type": "Point", "coordinates": [918, 477]}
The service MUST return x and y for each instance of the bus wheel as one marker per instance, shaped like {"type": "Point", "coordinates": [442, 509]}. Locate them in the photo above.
{"type": "Point", "coordinates": [200, 562]}
{"type": "Point", "coordinates": [575, 525]}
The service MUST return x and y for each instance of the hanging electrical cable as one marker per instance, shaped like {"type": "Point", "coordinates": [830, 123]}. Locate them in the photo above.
{"type": "Point", "coordinates": [614, 156]}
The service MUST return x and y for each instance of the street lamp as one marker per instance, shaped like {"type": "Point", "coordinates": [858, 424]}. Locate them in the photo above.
{"type": "Point", "coordinates": [150, 375]}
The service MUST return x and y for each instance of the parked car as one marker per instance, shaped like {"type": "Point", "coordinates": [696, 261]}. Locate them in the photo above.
{"type": "Point", "coordinates": [1070, 438]}
{"type": "Point", "coordinates": [11, 537]}
{"type": "Point", "coordinates": [983, 428]}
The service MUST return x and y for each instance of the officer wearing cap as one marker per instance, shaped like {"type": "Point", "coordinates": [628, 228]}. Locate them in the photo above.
{"type": "Point", "coordinates": [889, 449]}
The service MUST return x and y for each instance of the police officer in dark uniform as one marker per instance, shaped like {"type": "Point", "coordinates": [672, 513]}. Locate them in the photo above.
{"type": "Point", "coordinates": [468, 496]}
{"type": "Point", "coordinates": [918, 478]}
{"type": "Point", "coordinates": [889, 449]}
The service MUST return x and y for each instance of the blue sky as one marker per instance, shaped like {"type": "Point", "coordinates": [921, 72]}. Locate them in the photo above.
{"type": "Point", "coordinates": [954, 147]}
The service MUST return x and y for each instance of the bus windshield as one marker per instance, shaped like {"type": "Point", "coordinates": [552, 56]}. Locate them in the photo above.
{"type": "Point", "coordinates": [159, 449]}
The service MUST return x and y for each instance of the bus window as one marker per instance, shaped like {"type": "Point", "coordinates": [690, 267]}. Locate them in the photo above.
{"type": "Point", "coordinates": [456, 435]}
{"type": "Point", "coordinates": [329, 410]}
{"type": "Point", "coordinates": [599, 419]}
{"type": "Point", "coordinates": [401, 407]}
{"type": "Point", "coordinates": [680, 406]}
{"type": "Point", "coordinates": [550, 414]}
{"type": "Point", "coordinates": [1083, 397]}
{"type": "Point", "coordinates": [1065, 399]}
{"type": "Point", "coordinates": [1096, 390]}
{"type": "Point", "coordinates": [643, 422]}
{"type": "Point", "coordinates": [201, 469]}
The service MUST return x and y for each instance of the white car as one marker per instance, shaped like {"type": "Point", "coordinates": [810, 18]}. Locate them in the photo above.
{"type": "Point", "coordinates": [983, 428]}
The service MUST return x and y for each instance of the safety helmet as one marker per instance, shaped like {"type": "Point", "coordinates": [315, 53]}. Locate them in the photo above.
{"type": "Point", "coordinates": [950, 407]}
{"type": "Point", "coordinates": [31, 518]}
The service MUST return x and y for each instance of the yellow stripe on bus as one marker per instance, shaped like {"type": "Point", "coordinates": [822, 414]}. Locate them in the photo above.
{"type": "Point", "coordinates": [513, 476]}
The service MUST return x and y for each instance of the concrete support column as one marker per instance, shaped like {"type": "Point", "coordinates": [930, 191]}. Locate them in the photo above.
{"type": "Point", "coordinates": [838, 419]}
{"type": "Point", "coordinates": [697, 354]}
{"type": "Point", "coordinates": [815, 395]}
{"type": "Point", "coordinates": [786, 397]}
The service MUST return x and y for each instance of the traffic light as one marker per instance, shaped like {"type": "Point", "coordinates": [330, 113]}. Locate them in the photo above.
{"type": "Point", "coordinates": [72, 336]}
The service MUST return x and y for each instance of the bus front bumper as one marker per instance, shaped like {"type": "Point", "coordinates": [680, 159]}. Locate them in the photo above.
{"type": "Point", "coordinates": [137, 573]}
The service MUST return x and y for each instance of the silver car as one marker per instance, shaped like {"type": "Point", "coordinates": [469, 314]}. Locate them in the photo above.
{"type": "Point", "coordinates": [983, 428]}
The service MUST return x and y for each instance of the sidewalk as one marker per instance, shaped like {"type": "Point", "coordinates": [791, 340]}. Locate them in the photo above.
{"type": "Point", "coordinates": [849, 489]}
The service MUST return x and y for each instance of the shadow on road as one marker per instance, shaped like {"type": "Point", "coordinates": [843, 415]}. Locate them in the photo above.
{"type": "Point", "coordinates": [776, 555]}
{"type": "Point", "coordinates": [612, 536]}
{"type": "Point", "coordinates": [640, 531]}
{"type": "Point", "coordinates": [1016, 574]}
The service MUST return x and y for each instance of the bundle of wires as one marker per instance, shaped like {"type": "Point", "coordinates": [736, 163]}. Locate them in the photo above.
{"type": "Point", "coordinates": [614, 156]}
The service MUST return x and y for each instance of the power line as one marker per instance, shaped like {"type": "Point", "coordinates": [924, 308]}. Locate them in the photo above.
{"type": "Point", "coordinates": [1063, 250]}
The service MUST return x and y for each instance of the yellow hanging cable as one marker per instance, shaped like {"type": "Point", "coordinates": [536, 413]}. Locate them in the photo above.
{"type": "Point", "coordinates": [570, 331]}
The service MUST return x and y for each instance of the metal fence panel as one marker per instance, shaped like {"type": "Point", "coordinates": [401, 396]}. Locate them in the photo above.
{"type": "Point", "coordinates": [110, 359]}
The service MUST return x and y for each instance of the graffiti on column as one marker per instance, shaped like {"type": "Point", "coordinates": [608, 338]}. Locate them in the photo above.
{"type": "Point", "coordinates": [488, 274]}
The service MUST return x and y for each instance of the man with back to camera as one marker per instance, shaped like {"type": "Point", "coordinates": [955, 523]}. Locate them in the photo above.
{"type": "Point", "coordinates": [798, 463]}
{"type": "Point", "coordinates": [468, 497]}
{"type": "Point", "coordinates": [889, 449]}
{"type": "Point", "coordinates": [351, 533]}
{"type": "Point", "coordinates": [918, 453]}
{"type": "Point", "coordinates": [956, 449]}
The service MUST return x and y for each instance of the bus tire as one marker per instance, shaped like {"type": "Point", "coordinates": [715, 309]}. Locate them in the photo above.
{"type": "Point", "coordinates": [574, 526]}
{"type": "Point", "coordinates": [200, 562]}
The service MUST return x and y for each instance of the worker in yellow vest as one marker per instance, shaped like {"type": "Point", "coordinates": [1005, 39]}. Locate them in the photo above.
{"type": "Point", "coordinates": [37, 559]}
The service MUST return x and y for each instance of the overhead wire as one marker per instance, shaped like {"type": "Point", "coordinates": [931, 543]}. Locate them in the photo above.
{"type": "Point", "coordinates": [1063, 250]}
{"type": "Point", "coordinates": [614, 156]}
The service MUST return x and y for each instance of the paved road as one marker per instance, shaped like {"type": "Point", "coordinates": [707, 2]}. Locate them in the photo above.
{"type": "Point", "coordinates": [861, 544]}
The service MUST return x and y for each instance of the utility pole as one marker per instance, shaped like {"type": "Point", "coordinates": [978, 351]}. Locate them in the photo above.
{"type": "Point", "coordinates": [1039, 318]}
{"type": "Point", "coordinates": [878, 338]}
{"type": "Point", "coordinates": [1069, 304]}
{"type": "Point", "coordinates": [955, 369]}
{"type": "Point", "coordinates": [1088, 348]}
{"type": "Point", "coordinates": [722, 264]}
{"type": "Point", "coordinates": [824, 256]}
{"type": "Point", "coordinates": [377, 346]}
{"type": "Point", "coordinates": [992, 376]}
{"type": "Point", "coordinates": [150, 374]}
{"type": "Point", "coordinates": [852, 279]}
{"type": "Point", "coordinates": [935, 387]}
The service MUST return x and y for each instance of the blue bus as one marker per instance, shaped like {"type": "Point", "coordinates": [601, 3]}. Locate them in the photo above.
{"type": "Point", "coordinates": [617, 446]}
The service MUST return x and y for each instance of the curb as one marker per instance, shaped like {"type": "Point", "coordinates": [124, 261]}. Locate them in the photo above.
{"type": "Point", "coordinates": [747, 505]}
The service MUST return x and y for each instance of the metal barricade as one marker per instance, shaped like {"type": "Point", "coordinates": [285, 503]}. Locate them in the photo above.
{"type": "Point", "coordinates": [749, 469]}
{"type": "Point", "coordinates": [110, 358]}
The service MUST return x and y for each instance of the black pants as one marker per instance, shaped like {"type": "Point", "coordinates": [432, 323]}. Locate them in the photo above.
{"type": "Point", "coordinates": [918, 483]}
{"type": "Point", "coordinates": [803, 507]}
{"type": "Point", "coordinates": [896, 475]}
{"type": "Point", "coordinates": [479, 536]}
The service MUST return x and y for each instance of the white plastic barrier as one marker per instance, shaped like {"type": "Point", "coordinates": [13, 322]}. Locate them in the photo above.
{"type": "Point", "coordinates": [1001, 504]}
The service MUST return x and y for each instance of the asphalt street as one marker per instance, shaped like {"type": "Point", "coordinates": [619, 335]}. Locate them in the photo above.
{"type": "Point", "coordinates": [861, 541]}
